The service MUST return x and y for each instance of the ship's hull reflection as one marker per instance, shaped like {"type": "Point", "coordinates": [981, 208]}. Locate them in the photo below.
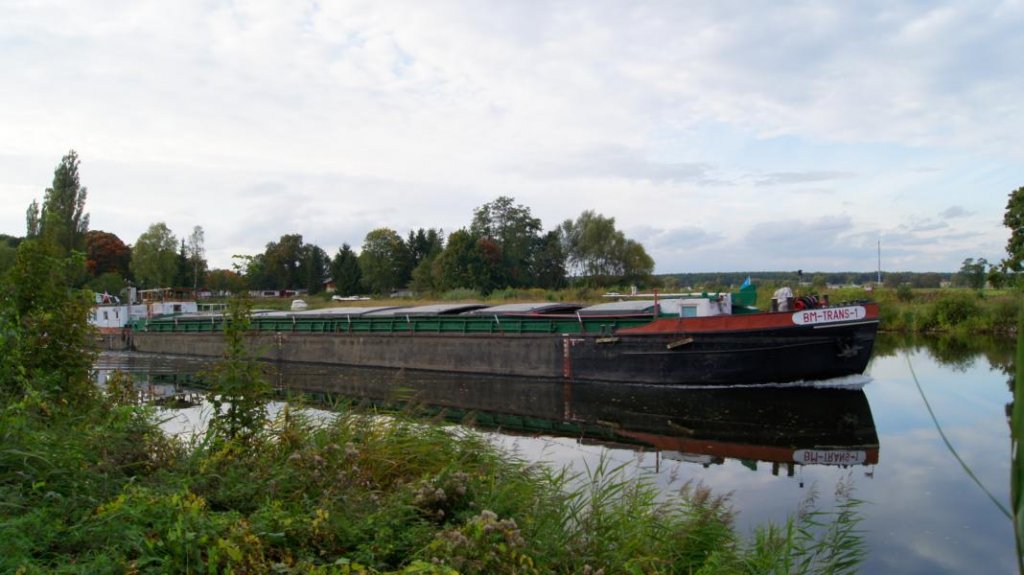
{"type": "Point", "coordinates": [788, 426]}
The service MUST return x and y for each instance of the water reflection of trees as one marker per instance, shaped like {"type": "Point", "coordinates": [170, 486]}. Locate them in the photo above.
{"type": "Point", "coordinates": [955, 352]}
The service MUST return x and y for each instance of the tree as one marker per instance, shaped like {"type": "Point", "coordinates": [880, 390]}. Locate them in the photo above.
{"type": "Point", "coordinates": [195, 252]}
{"type": "Point", "coordinates": [46, 341]}
{"type": "Point", "coordinates": [154, 257]}
{"type": "Point", "coordinates": [238, 389]}
{"type": "Point", "coordinates": [1014, 219]}
{"type": "Point", "coordinates": [62, 217]}
{"type": "Point", "coordinates": [634, 265]}
{"type": "Point", "coordinates": [974, 273]}
{"type": "Point", "coordinates": [221, 280]}
{"type": "Point", "coordinates": [106, 253]}
{"type": "Point", "coordinates": [109, 282]}
{"type": "Point", "coordinates": [487, 271]}
{"type": "Point", "coordinates": [548, 263]}
{"type": "Point", "coordinates": [600, 253]}
{"type": "Point", "coordinates": [32, 226]}
{"type": "Point", "coordinates": [996, 277]}
{"type": "Point", "coordinates": [8, 253]}
{"type": "Point", "coordinates": [345, 272]}
{"type": "Point", "coordinates": [451, 269]}
{"type": "Point", "coordinates": [424, 248]}
{"type": "Point", "coordinates": [183, 275]}
{"type": "Point", "coordinates": [514, 230]}
{"type": "Point", "coordinates": [282, 262]}
{"type": "Point", "coordinates": [315, 265]}
{"type": "Point", "coordinates": [468, 262]}
{"type": "Point", "coordinates": [424, 244]}
{"type": "Point", "coordinates": [383, 261]}
{"type": "Point", "coordinates": [253, 269]}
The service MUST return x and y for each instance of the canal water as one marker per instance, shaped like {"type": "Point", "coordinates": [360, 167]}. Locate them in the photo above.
{"type": "Point", "coordinates": [923, 439]}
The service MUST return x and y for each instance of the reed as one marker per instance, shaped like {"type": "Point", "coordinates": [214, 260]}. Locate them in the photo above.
{"type": "Point", "coordinates": [358, 492]}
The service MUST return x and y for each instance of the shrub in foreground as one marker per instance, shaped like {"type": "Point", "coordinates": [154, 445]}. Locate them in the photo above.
{"type": "Point", "coordinates": [355, 493]}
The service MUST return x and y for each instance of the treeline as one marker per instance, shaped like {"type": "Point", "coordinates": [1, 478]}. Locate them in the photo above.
{"type": "Point", "coordinates": [504, 246]}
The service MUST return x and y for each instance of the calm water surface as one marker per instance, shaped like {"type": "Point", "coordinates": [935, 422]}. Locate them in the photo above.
{"type": "Point", "coordinates": [922, 513]}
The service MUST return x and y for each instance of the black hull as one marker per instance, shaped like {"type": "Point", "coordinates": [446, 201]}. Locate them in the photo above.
{"type": "Point", "coordinates": [716, 358]}
{"type": "Point", "coordinates": [743, 358]}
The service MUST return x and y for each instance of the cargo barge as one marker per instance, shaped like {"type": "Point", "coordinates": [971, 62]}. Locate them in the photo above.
{"type": "Point", "coordinates": [704, 339]}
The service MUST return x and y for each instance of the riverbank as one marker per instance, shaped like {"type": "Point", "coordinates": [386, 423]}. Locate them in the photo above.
{"type": "Point", "coordinates": [106, 491]}
{"type": "Point", "coordinates": [956, 311]}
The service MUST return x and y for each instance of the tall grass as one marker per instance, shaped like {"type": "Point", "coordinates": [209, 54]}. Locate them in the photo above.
{"type": "Point", "coordinates": [362, 494]}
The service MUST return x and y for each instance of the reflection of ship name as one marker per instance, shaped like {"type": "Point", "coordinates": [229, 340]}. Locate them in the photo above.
{"type": "Point", "coordinates": [840, 458]}
{"type": "Point", "coordinates": [830, 456]}
{"type": "Point", "coordinates": [707, 452]}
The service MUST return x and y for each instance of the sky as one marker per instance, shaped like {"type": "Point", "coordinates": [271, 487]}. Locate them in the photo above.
{"type": "Point", "coordinates": [723, 136]}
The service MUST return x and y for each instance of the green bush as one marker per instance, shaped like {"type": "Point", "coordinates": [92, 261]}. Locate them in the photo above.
{"type": "Point", "coordinates": [1003, 312]}
{"type": "Point", "coordinates": [905, 293]}
{"type": "Point", "coordinates": [953, 309]}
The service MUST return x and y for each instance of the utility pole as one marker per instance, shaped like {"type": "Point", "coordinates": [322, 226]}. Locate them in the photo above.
{"type": "Point", "coordinates": [879, 261]}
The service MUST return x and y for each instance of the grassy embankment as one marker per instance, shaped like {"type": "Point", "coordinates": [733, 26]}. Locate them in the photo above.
{"type": "Point", "coordinates": [955, 311]}
{"type": "Point", "coordinates": [102, 490]}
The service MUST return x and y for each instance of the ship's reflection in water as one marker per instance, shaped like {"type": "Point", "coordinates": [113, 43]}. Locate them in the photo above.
{"type": "Point", "coordinates": [780, 427]}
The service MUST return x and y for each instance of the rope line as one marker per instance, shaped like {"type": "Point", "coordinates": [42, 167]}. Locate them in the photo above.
{"type": "Point", "coordinates": [950, 445]}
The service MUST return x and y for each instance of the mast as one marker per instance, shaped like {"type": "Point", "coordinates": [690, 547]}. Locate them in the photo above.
{"type": "Point", "coordinates": [879, 261]}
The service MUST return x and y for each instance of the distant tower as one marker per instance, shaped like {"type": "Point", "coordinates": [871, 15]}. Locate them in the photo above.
{"type": "Point", "coordinates": [879, 261]}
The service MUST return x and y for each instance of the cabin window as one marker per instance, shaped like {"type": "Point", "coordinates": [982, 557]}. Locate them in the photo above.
{"type": "Point", "coordinates": [688, 311]}
{"type": "Point", "coordinates": [105, 318]}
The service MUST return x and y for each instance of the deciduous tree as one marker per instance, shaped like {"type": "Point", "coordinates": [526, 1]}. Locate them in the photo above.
{"type": "Point", "coordinates": [221, 280]}
{"type": "Point", "coordinates": [46, 341]}
{"type": "Point", "coordinates": [383, 261]}
{"type": "Point", "coordinates": [195, 253]}
{"type": "Point", "coordinates": [602, 254]}
{"type": "Point", "coordinates": [451, 269]}
{"type": "Point", "coordinates": [515, 231]}
{"type": "Point", "coordinates": [1014, 219]}
{"type": "Point", "coordinates": [106, 253]}
{"type": "Point", "coordinates": [973, 273]}
{"type": "Point", "coordinates": [282, 263]}
{"type": "Point", "coordinates": [155, 258]}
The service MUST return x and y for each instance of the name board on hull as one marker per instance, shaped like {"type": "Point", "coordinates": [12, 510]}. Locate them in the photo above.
{"type": "Point", "coordinates": [829, 315]}
{"type": "Point", "coordinates": [829, 457]}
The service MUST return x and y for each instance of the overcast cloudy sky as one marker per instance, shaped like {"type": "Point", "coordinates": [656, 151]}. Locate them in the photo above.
{"type": "Point", "coordinates": [722, 135]}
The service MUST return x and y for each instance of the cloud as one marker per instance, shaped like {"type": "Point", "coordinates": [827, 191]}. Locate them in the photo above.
{"type": "Point", "coordinates": [716, 121]}
{"type": "Point", "coordinates": [623, 163]}
{"type": "Point", "coordinates": [953, 212]}
{"type": "Point", "coordinates": [786, 178]}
